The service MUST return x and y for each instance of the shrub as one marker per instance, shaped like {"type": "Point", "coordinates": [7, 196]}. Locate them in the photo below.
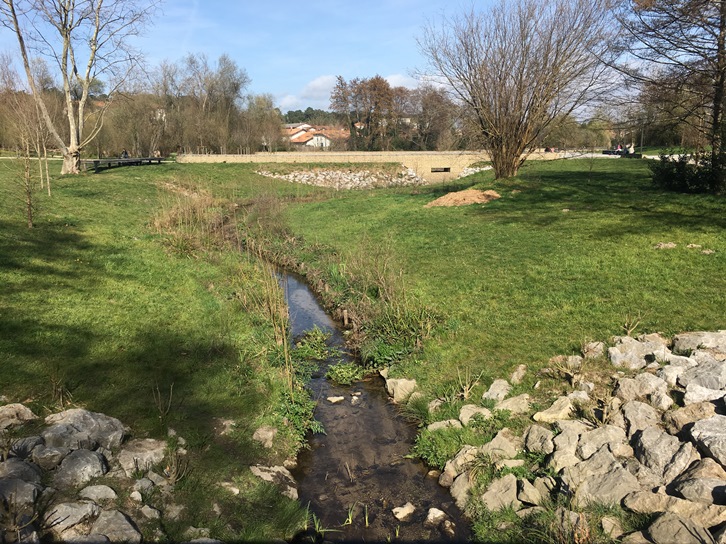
{"type": "Point", "coordinates": [687, 174]}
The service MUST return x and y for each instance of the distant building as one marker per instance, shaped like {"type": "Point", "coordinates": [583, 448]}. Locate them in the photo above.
{"type": "Point", "coordinates": [302, 135]}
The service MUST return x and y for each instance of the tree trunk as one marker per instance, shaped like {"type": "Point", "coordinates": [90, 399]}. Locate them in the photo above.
{"type": "Point", "coordinates": [71, 163]}
{"type": "Point", "coordinates": [717, 151]}
{"type": "Point", "coordinates": [505, 162]}
{"type": "Point", "coordinates": [28, 187]}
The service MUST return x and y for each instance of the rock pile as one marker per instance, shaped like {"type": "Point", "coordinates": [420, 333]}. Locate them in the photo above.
{"type": "Point", "coordinates": [46, 480]}
{"type": "Point", "coordinates": [655, 442]}
{"type": "Point", "coordinates": [349, 179]}
{"type": "Point", "coordinates": [469, 170]}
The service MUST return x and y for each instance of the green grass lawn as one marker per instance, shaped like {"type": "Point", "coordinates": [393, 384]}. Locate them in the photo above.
{"type": "Point", "coordinates": [100, 307]}
{"type": "Point", "coordinates": [565, 256]}
{"type": "Point", "coordinates": [123, 289]}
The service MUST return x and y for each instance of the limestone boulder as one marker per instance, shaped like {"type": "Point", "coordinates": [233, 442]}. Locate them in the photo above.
{"type": "Point", "coordinates": [528, 493]}
{"type": "Point", "coordinates": [468, 411]}
{"type": "Point", "coordinates": [704, 468]}
{"type": "Point", "coordinates": [117, 527]}
{"type": "Point", "coordinates": [661, 401]}
{"type": "Point", "coordinates": [711, 375]}
{"type": "Point", "coordinates": [671, 373]}
{"type": "Point", "coordinates": [16, 414]}
{"type": "Point", "coordinates": [646, 502]}
{"type": "Point", "coordinates": [545, 485]}
{"type": "Point", "coordinates": [402, 513]}
{"type": "Point", "coordinates": [662, 453]}
{"type": "Point", "coordinates": [593, 350]}
{"type": "Point", "coordinates": [460, 490]}
{"type": "Point", "coordinates": [105, 431]}
{"type": "Point", "coordinates": [697, 393]}
{"type": "Point", "coordinates": [98, 493]}
{"type": "Point", "coordinates": [502, 493]}
{"type": "Point", "coordinates": [446, 424]}
{"type": "Point", "coordinates": [560, 409]}
{"type": "Point", "coordinates": [20, 470]}
{"type": "Point", "coordinates": [709, 435]}
{"type": "Point", "coordinates": [141, 455]}
{"type": "Point", "coordinates": [48, 458]}
{"type": "Point", "coordinates": [435, 517]}
{"type": "Point", "coordinates": [627, 390]}
{"type": "Point", "coordinates": [537, 439]}
{"type": "Point", "coordinates": [78, 468]}
{"type": "Point", "coordinates": [516, 405]}
{"type": "Point", "coordinates": [636, 354]}
{"type": "Point", "coordinates": [611, 527]}
{"type": "Point", "coordinates": [61, 518]}
{"type": "Point", "coordinates": [704, 490]}
{"type": "Point", "coordinates": [638, 416]}
{"type": "Point", "coordinates": [692, 341]}
{"type": "Point", "coordinates": [640, 387]}
{"type": "Point", "coordinates": [599, 479]}
{"type": "Point", "coordinates": [670, 528]}
{"type": "Point", "coordinates": [456, 466]}
{"type": "Point", "coordinates": [505, 445]}
{"type": "Point", "coordinates": [614, 437]}
{"type": "Point", "coordinates": [20, 493]}
{"type": "Point", "coordinates": [497, 391]}
{"type": "Point", "coordinates": [676, 420]}
{"type": "Point", "coordinates": [400, 389]}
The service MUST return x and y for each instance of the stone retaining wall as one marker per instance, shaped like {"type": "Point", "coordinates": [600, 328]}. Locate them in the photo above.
{"type": "Point", "coordinates": [431, 166]}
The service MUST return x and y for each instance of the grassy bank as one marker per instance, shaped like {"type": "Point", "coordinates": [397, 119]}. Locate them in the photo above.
{"type": "Point", "coordinates": [131, 284]}
{"type": "Point", "coordinates": [567, 255]}
{"type": "Point", "coordinates": [129, 298]}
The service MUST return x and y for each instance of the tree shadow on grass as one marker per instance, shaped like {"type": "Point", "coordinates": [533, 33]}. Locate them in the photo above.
{"type": "Point", "coordinates": [109, 367]}
{"type": "Point", "coordinates": [615, 204]}
{"type": "Point", "coordinates": [159, 378]}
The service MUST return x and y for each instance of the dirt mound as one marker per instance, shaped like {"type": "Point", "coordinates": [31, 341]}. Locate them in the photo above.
{"type": "Point", "coordinates": [463, 198]}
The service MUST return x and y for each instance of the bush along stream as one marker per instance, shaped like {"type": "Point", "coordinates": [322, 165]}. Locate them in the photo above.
{"type": "Point", "coordinates": [357, 478]}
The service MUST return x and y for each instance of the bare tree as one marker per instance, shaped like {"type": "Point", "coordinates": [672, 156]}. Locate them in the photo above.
{"type": "Point", "coordinates": [368, 105]}
{"type": "Point", "coordinates": [677, 50]}
{"type": "Point", "coordinates": [28, 133]}
{"type": "Point", "coordinates": [86, 41]}
{"type": "Point", "coordinates": [519, 66]}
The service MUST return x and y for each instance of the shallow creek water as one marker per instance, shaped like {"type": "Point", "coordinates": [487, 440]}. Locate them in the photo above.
{"type": "Point", "coordinates": [354, 475]}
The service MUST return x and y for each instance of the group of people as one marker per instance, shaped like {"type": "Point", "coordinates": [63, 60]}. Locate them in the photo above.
{"type": "Point", "coordinates": [625, 151]}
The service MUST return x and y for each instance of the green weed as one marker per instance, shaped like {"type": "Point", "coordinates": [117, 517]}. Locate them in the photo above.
{"type": "Point", "coordinates": [345, 373]}
{"type": "Point", "coordinates": [313, 346]}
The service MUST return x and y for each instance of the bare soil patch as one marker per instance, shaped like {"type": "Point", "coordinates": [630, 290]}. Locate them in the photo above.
{"type": "Point", "coordinates": [464, 198]}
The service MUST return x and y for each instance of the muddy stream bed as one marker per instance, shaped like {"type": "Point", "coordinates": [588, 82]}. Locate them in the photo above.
{"type": "Point", "coordinates": [353, 476]}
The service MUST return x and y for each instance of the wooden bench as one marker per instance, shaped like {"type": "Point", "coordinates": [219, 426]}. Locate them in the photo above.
{"type": "Point", "coordinates": [98, 164]}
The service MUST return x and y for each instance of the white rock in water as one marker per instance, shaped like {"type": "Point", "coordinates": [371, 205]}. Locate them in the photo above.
{"type": "Point", "coordinates": [403, 512]}
{"type": "Point", "coordinates": [435, 517]}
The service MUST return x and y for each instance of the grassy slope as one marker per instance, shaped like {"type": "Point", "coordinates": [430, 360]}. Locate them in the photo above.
{"type": "Point", "coordinates": [95, 302]}
{"type": "Point", "coordinates": [520, 280]}
{"type": "Point", "coordinates": [92, 296]}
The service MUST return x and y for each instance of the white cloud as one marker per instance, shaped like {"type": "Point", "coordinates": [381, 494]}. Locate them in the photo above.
{"type": "Point", "coordinates": [401, 80]}
{"type": "Point", "coordinates": [319, 88]}
{"type": "Point", "coordinates": [314, 94]}
{"type": "Point", "coordinates": [288, 102]}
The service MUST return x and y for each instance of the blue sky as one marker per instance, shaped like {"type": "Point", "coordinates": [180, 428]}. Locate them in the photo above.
{"type": "Point", "coordinates": [294, 49]}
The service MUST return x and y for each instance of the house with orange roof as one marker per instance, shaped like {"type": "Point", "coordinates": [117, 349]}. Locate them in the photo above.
{"type": "Point", "coordinates": [320, 137]}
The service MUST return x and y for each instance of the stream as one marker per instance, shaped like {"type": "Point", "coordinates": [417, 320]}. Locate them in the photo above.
{"type": "Point", "coordinates": [353, 476]}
